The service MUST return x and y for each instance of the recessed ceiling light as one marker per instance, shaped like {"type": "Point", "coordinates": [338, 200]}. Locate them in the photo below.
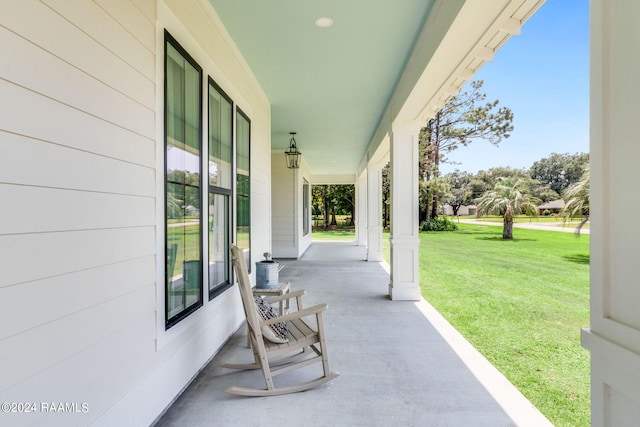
{"type": "Point", "coordinates": [324, 22]}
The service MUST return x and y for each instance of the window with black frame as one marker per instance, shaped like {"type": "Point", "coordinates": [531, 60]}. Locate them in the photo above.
{"type": "Point", "coordinates": [306, 208]}
{"type": "Point", "coordinates": [183, 147]}
{"type": "Point", "coordinates": [220, 186]}
{"type": "Point", "coordinates": [243, 205]}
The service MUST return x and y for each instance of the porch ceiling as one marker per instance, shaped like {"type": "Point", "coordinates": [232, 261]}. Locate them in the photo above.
{"type": "Point", "coordinates": [331, 85]}
{"type": "Point", "coordinates": [382, 62]}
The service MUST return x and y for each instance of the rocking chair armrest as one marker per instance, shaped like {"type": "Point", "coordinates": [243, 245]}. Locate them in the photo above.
{"type": "Point", "coordinates": [295, 315]}
{"type": "Point", "coordinates": [284, 297]}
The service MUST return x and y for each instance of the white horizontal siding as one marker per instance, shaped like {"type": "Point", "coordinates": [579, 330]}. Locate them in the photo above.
{"type": "Point", "coordinates": [282, 200]}
{"type": "Point", "coordinates": [72, 293]}
{"type": "Point", "coordinates": [40, 255]}
{"type": "Point", "coordinates": [146, 7]}
{"type": "Point", "coordinates": [55, 34]}
{"type": "Point", "coordinates": [92, 20]}
{"type": "Point", "coordinates": [38, 349]}
{"type": "Point", "coordinates": [31, 162]}
{"type": "Point", "coordinates": [71, 86]}
{"type": "Point", "coordinates": [36, 116]}
{"type": "Point", "coordinates": [222, 317]}
{"type": "Point", "coordinates": [138, 19]}
{"type": "Point", "coordinates": [78, 238]}
{"type": "Point", "coordinates": [39, 209]}
{"type": "Point", "coordinates": [77, 372]}
{"type": "Point", "coordinates": [76, 378]}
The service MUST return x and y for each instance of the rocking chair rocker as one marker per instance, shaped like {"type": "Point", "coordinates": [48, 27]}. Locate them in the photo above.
{"type": "Point", "coordinates": [275, 358]}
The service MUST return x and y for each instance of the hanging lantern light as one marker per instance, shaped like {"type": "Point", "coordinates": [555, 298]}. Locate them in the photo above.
{"type": "Point", "coordinates": [292, 155]}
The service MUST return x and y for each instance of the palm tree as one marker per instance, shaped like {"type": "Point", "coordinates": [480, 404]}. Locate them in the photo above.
{"type": "Point", "coordinates": [509, 197]}
{"type": "Point", "coordinates": [576, 200]}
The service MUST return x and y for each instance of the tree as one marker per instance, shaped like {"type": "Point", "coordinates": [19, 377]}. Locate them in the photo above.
{"type": "Point", "coordinates": [559, 171]}
{"type": "Point", "coordinates": [542, 192]}
{"type": "Point", "coordinates": [174, 206]}
{"type": "Point", "coordinates": [460, 192]}
{"type": "Point", "coordinates": [325, 205]}
{"type": "Point", "coordinates": [386, 195]}
{"type": "Point", "coordinates": [320, 200]}
{"type": "Point", "coordinates": [509, 197]}
{"type": "Point", "coordinates": [464, 118]}
{"type": "Point", "coordinates": [576, 200]}
{"type": "Point", "coordinates": [343, 201]}
{"type": "Point", "coordinates": [332, 200]}
{"type": "Point", "coordinates": [484, 181]}
{"type": "Point", "coordinates": [317, 200]}
{"type": "Point", "coordinates": [478, 186]}
{"type": "Point", "coordinates": [429, 192]}
{"type": "Point", "coordinates": [182, 198]}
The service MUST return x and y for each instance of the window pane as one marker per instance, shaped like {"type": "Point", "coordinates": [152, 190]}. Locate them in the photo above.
{"type": "Point", "coordinates": [243, 206]}
{"type": "Point", "coordinates": [183, 102]}
{"type": "Point", "coordinates": [183, 264]}
{"type": "Point", "coordinates": [175, 96]}
{"type": "Point", "coordinates": [220, 135]}
{"type": "Point", "coordinates": [306, 208]}
{"type": "Point", "coordinates": [243, 217]}
{"type": "Point", "coordinates": [183, 188]}
{"type": "Point", "coordinates": [218, 241]}
{"type": "Point", "coordinates": [220, 183]}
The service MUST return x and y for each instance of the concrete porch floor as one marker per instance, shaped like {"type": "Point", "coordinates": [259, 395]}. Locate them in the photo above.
{"type": "Point", "coordinates": [400, 362]}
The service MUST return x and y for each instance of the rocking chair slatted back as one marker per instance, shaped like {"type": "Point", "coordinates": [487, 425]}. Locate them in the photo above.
{"type": "Point", "coordinates": [244, 284]}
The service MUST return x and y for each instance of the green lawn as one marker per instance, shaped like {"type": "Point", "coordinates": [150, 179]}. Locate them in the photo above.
{"type": "Point", "coordinates": [522, 304]}
{"type": "Point", "coordinates": [342, 234]}
{"type": "Point", "coordinates": [187, 239]}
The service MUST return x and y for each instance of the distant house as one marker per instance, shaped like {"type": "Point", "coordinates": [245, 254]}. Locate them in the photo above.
{"type": "Point", "coordinates": [447, 209]}
{"type": "Point", "coordinates": [554, 206]}
{"type": "Point", "coordinates": [191, 211]}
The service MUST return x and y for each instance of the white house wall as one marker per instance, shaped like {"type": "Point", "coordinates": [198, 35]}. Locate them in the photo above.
{"type": "Point", "coordinates": [81, 230]}
{"type": "Point", "coordinates": [284, 209]}
{"type": "Point", "coordinates": [286, 204]}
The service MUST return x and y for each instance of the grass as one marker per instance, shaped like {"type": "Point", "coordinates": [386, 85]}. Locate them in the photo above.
{"type": "Point", "coordinates": [341, 234]}
{"type": "Point", "coordinates": [522, 304]}
{"type": "Point", "coordinates": [187, 238]}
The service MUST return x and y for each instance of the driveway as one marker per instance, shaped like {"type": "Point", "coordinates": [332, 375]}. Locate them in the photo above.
{"type": "Point", "coordinates": [534, 225]}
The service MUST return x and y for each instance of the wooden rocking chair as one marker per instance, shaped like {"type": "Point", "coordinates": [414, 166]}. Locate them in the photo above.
{"type": "Point", "coordinates": [274, 359]}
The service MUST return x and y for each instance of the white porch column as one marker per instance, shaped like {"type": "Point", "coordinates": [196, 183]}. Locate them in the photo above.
{"type": "Point", "coordinates": [361, 209]}
{"type": "Point", "coordinates": [613, 337]}
{"type": "Point", "coordinates": [374, 212]}
{"type": "Point", "coordinates": [405, 242]}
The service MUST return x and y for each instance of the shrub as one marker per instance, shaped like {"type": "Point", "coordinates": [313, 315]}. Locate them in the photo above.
{"type": "Point", "coordinates": [439, 223]}
{"type": "Point", "coordinates": [546, 212]}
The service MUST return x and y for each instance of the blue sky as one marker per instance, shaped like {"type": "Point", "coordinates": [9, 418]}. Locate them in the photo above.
{"type": "Point", "coordinates": [543, 76]}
